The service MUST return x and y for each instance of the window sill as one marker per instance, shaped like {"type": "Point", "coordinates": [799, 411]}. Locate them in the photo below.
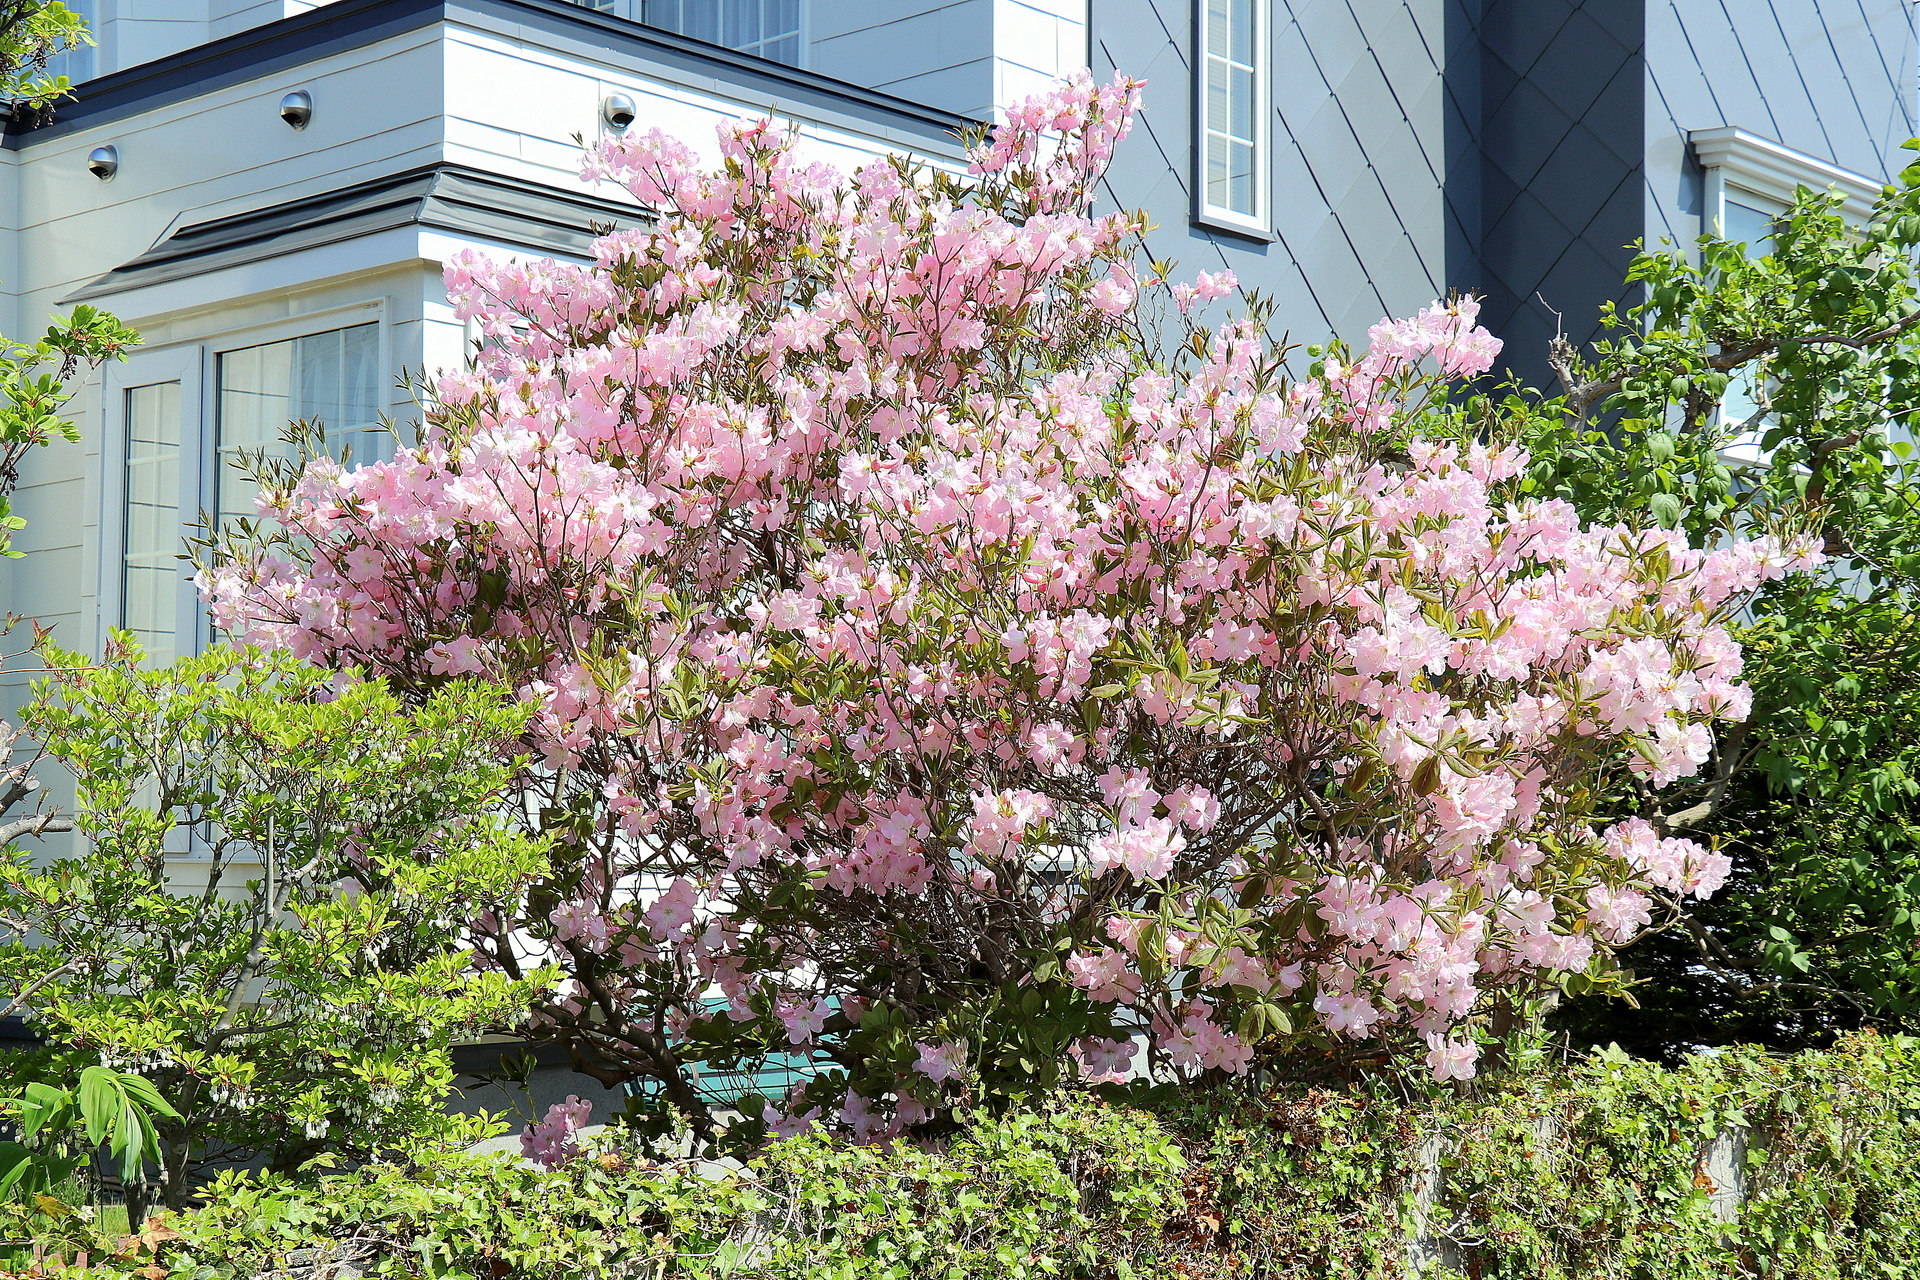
{"type": "Point", "coordinates": [1235, 224]}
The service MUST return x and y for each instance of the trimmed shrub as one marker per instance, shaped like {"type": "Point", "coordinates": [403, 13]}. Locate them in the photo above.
{"type": "Point", "coordinates": [1606, 1169]}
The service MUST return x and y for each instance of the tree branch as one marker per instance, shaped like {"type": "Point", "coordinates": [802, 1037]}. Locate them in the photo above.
{"type": "Point", "coordinates": [38, 984]}
{"type": "Point", "coordinates": [1581, 395]}
{"type": "Point", "coordinates": [38, 824]}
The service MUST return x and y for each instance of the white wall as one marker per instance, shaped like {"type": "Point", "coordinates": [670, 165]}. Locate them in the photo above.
{"type": "Point", "coordinates": [970, 56]}
{"type": "Point", "coordinates": [515, 108]}
{"type": "Point", "coordinates": [130, 32]}
{"type": "Point", "coordinates": [481, 91]}
{"type": "Point", "coordinates": [376, 112]}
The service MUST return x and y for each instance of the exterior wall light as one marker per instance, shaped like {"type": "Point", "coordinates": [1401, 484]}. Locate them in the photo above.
{"type": "Point", "coordinates": [104, 162]}
{"type": "Point", "coordinates": [297, 108]}
{"type": "Point", "coordinates": [617, 109]}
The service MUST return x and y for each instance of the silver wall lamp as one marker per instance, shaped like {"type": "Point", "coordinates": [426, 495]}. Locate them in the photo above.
{"type": "Point", "coordinates": [617, 109]}
{"type": "Point", "coordinates": [297, 108]}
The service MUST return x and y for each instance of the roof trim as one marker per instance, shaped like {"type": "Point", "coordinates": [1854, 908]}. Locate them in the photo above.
{"type": "Point", "coordinates": [1767, 168]}
{"type": "Point", "coordinates": [350, 24]}
{"type": "Point", "coordinates": [245, 55]}
{"type": "Point", "coordinates": [445, 196]}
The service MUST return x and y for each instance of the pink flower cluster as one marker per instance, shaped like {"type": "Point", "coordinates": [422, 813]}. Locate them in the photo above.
{"type": "Point", "coordinates": [552, 1141]}
{"type": "Point", "coordinates": [888, 612]}
{"type": "Point", "coordinates": [1198, 1042]}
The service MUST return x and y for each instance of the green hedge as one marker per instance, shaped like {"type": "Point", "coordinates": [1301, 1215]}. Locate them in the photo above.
{"type": "Point", "coordinates": [1589, 1173]}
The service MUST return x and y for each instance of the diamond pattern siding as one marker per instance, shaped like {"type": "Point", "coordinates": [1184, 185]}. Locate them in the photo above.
{"type": "Point", "coordinates": [1560, 168]}
{"type": "Point", "coordinates": [1832, 78]}
{"type": "Point", "coordinates": [1518, 149]}
{"type": "Point", "coordinates": [1359, 156]}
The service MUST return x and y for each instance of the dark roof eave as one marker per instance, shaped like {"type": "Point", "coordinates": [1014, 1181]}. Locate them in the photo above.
{"type": "Point", "coordinates": [349, 24]}
{"type": "Point", "coordinates": [445, 196]}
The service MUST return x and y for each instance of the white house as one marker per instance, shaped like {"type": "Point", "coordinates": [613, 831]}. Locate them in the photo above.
{"type": "Point", "coordinates": [268, 191]}
{"type": "Point", "coordinates": [275, 183]}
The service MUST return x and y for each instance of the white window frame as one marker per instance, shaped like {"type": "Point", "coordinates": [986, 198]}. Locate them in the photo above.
{"type": "Point", "coordinates": [635, 11]}
{"type": "Point", "coordinates": [1259, 223]}
{"type": "Point", "coordinates": [800, 35]}
{"type": "Point", "coordinates": [1744, 168]}
{"type": "Point", "coordinates": [1743, 450]}
{"type": "Point", "coordinates": [187, 366]}
{"type": "Point", "coordinates": [196, 365]}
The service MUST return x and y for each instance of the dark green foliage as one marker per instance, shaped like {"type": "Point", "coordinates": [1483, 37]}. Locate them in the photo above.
{"type": "Point", "coordinates": [1595, 1172]}
{"type": "Point", "coordinates": [1818, 930]}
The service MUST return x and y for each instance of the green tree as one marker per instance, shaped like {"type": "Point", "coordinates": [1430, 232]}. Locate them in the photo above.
{"type": "Point", "coordinates": [32, 32]}
{"type": "Point", "coordinates": [35, 391]}
{"type": "Point", "coordinates": [264, 920]}
{"type": "Point", "coordinates": [1817, 340]}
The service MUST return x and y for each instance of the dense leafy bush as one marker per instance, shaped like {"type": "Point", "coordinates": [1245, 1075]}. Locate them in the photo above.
{"type": "Point", "coordinates": [262, 920]}
{"type": "Point", "coordinates": [1803, 352]}
{"type": "Point", "coordinates": [1031, 1194]}
{"type": "Point", "coordinates": [1595, 1172]}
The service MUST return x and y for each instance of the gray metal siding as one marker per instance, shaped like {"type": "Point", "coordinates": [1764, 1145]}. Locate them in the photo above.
{"type": "Point", "coordinates": [1519, 149]}
{"type": "Point", "coordinates": [1560, 130]}
{"type": "Point", "coordinates": [1419, 148]}
{"type": "Point", "coordinates": [1360, 155]}
{"type": "Point", "coordinates": [1832, 78]}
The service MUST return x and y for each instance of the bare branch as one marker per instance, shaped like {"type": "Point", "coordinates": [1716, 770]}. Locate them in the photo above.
{"type": "Point", "coordinates": [37, 825]}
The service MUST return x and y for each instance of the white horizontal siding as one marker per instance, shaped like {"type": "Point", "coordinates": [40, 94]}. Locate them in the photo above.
{"type": "Point", "coordinates": [485, 92]}
{"type": "Point", "coordinates": [975, 57]}
{"type": "Point", "coordinates": [375, 110]}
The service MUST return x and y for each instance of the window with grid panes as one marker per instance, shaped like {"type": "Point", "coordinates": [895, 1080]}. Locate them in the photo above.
{"type": "Point", "coordinates": [1231, 110]}
{"type": "Point", "coordinates": [330, 380]}
{"type": "Point", "coordinates": [150, 568]}
{"type": "Point", "coordinates": [770, 29]}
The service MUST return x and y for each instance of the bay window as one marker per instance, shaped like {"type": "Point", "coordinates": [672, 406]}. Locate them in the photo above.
{"type": "Point", "coordinates": [178, 452]}
{"type": "Point", "coordinates": [329, 380]}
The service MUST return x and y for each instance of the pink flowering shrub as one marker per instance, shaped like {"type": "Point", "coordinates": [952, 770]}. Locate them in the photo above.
{"type": "Point", "coordinates": [938, 677]}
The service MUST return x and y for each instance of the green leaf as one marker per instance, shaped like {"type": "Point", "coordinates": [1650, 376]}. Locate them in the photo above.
{"type": "Point", "coordinates": [102, 1101]}
{"type": "Point", "coordinates": [42, 1106]}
